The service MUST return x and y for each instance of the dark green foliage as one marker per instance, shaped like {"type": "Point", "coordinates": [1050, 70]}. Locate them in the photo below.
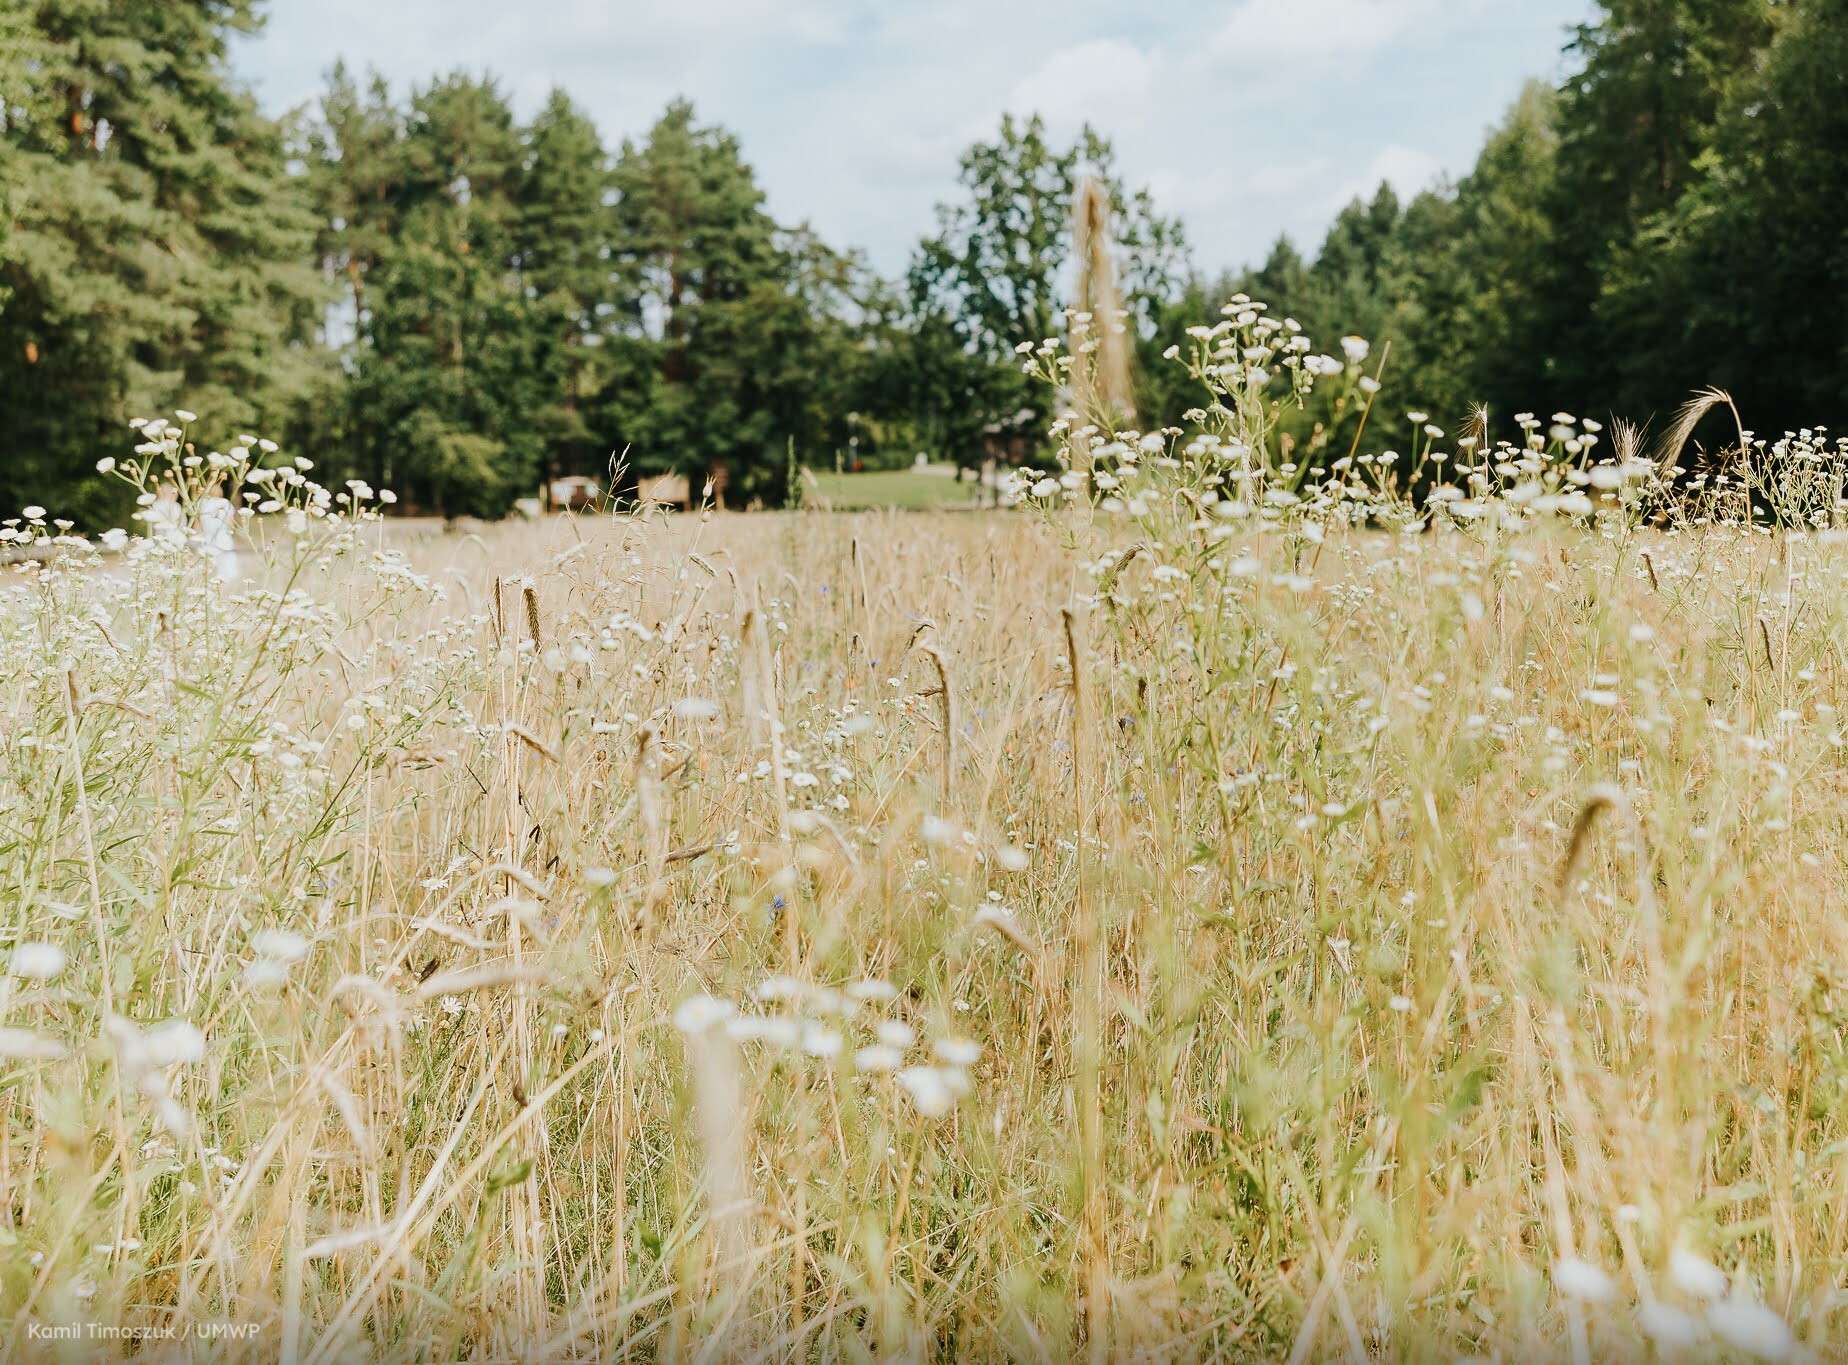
{"type": "Point", "coordinates": [713, 313]}
{"type": "Point", "coordinates": [155, 251]}
{"type": "Point", "coordinates": [563, 245]}
{"type": "Point", "coordinates": [1673, 217]}
{"type": "Point", "coordinates": [990, 278]}
{"type": "Point", "coordinates": [1743, 280]}
{"type": "Point", "coordinates": [444, 379]}
{"type": "Point", "coordinates": [1634, 124]}
{"type": "Point", "coordinates": [430, 295]}
{"type": "Point", "coordinates": [520, 306]}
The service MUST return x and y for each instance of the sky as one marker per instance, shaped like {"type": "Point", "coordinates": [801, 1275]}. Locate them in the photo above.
{"type": "Point", "coordinates": [1244, 118]}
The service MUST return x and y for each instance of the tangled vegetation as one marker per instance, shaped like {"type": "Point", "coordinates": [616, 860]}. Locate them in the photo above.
{"type": "Point", "coordinates": [1223, 907]}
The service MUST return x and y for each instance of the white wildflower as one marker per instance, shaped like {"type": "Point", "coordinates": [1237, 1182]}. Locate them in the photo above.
{"type": "Point", "coordinates": [1751, 1328]}
{"type": "Point", "coordinates": [1580, 1280]}
{"type": "Point", "coordinates": [878, 1057]}
{"type": "Point", "coordinates": [1696, 1276]}
{"type": "Point", "coordinates": [957, 1051]}
{"type": "Point", "coordinates": [699, 1013]}
{"type": "Point", "coordinates": [1668, 1327]}
{"type": "Point", "coordinates": [821, 1042]}
{"type": "Point", "coordinates": [23, 1045]}
{"type": "Point", "coordinates": [172, 1042]}
{"type": "Point", "coordinates": [36, 961]}
{"type": "Point", "coordinates": [893, 1033]}
{"type": "Point", "coordinates": [930, 1092]}
{"type": "Point", "coordinates": [279, 945]}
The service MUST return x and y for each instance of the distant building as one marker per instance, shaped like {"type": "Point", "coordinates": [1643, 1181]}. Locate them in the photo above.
{"type": "Point", "coordinates": [574, 492]}
{"type": "Point", "coordinates": [1014, 440]}
{"type": "Point", "coordinates": [664, 490]}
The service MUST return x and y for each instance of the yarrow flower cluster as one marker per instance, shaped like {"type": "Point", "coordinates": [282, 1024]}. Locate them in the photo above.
{"type": "Point", "coordinates": [796, 1020]}
{"type": "Point", "coordinates": [1720, 1311]}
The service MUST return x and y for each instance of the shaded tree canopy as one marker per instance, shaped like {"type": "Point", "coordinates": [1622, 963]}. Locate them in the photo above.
{"type": "Point", "coordinates": [154, 242]}
{"type": "Point", "coordinates": [429, 292]}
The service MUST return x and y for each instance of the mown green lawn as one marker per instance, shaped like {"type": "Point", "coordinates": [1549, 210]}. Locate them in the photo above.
{"type": "Point", "coordinates": [887, 488]}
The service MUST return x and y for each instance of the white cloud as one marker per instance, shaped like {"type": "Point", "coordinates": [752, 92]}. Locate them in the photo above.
{"type": "Point", "coordinates": [1407, 169]}
{"type": "Point", "coordinates": [1319, 31]}
{"type": "Point", "coordinates": [1247, 121]}
{"type": "Point", "coordinates": [1087, 82]}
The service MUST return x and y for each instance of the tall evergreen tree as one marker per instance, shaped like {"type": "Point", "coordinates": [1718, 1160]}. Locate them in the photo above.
{"type": "Point", "coordinates": [1743, 280]}
{"type": "Point", "coordinates": [1490, 339]}
{"type": "Point", "coordinates": [1633, 123]}
{"type": "Point", "coordinates": [354, 164]}
{"type": "Point", "coordinates": [705, 286]}
{"type": "Point", "coordinates": [157, 251]}
{"type": "Point", "coordinates": [1350, 276]}
{"type": "Point", "coordinates": [563, 244]}
{"type": "Point", "coordinates": [1284, 281]}
{"type": "Point", "coordinates": [443, 377]}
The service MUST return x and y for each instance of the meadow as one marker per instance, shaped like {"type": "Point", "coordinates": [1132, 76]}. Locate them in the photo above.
{"type": "Point", "coordinates": [1221, 907]}
{"type": "Point", "coordinates": [881, 489]}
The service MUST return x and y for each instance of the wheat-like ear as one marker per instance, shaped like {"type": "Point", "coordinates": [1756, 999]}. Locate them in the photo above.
{"type": "Point", "coordinates": [533, 627]}
{"type": "Point", "coordinates": [1626, 439]}
{"type": "Point", "coordinates": [1602, 797]}
{"type": "Point", "coordinates": [1105, 390]}
{"type": "Point", "coordinates": [935, 655]}
{"type": "Point", "coordinates": [1476, 426]}
{"type": "Point", "coordinates": [1675, 439]}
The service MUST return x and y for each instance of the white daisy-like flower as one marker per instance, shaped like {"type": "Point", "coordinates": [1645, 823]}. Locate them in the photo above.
{"type": "Point", "coordinates": [930, 1093]}
{"type": "Point", "coordinates": [174, 1041]}
{"type": "Point", "coordinates": [279, 945]}
{"type": "Point", "coordinates": [821, 1042]}
{"type": "Point", "coordinates": [878, 1057]}
{"type": "Point", "coordinates": [894, 1033]}
{"type": "Point", "coordinates": [957, 1051]}
{"type": "Point", "coordinates": [699, 1013]}
{"type": "Point", "coordinates": [1668, 1327]}
{"type": "Point", "coordinates": [24, 1045]}
{"type": "Point", "coordinates": [1583, 1281]}
{"type": "Point", "coordinates": [1752, 1328]}
{"type": "Point", "coordinates": [1696, 1276]}
{"type": "Point", "coordinates": [36, 961]}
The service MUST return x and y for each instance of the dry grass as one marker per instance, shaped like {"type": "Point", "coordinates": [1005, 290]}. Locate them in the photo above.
{"type": "Point", "coordinates": [1404, 944]}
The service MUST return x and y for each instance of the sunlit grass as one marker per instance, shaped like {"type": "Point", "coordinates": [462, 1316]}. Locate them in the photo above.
{"type": "Point", "coordinates": [880, 488]}
{"type": "Point", "coordinates": [1189, 921]}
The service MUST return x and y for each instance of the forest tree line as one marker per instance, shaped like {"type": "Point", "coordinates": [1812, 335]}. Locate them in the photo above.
{"type": "Point", "coordinates": [431, 294]}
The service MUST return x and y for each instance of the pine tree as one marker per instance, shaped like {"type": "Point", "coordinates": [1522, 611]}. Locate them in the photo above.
{"type": "Point", "coordinates": [1349, 277]}
{"type": "Point", "coordinates": [705, 294]}
{"type": "Point", "coordinates": [1506, 226]}
{"type": "Point", "coordinates": [158, 251]}
{"type": "Point", "coordinates": [1633, 124]}
{"type": "Point", "coordinates": [354, 166]}
{"type": "Point", "coordinates": [1743, 281]}
{"type": "Point", "coordinates": [563, 245]}
{"type": "Point", "coordinates": [443, 376]}
{"type": "Point", "coordinates": [1468, 327]}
